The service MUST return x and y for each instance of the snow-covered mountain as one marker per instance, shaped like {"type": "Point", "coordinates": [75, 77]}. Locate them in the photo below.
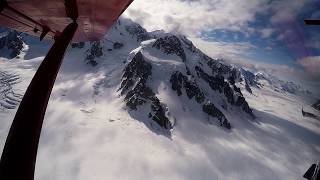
{"type": "Point", "coordinates": [262, 79]}
{"type": "Point", "coordinates": [151, 105]}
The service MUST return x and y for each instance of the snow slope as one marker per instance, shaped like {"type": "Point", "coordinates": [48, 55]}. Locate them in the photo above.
{"type": "Point", "coordinates": [89, 133]}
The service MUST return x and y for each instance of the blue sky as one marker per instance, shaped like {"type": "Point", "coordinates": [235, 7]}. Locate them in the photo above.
{"type": "Point", "coordinates": [272, 45]}
{"type": "Point", "coordinates": [260, 31]}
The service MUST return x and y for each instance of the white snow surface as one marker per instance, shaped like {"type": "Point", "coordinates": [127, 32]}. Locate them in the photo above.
{"type": "Point", "coordinates": [88, 133]}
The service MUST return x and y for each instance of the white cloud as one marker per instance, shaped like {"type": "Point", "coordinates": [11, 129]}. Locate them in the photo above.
{"type": "Point", "coordinates": [311, 65]}
{"type": "Point", "coordinates": [287, 10]}
{"type": "Point", "coordinates": [267, 32]}
{"type": "Point", "coordinates": [234, 50]}
{"type": "Point", "coordinates": [193, 17]}
{"type": "Point", "coordinates": [269, 48]}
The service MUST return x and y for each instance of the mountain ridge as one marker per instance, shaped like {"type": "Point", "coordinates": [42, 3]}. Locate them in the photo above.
{"type": "Point", "coordinates": [89, 131]}
{"type": "Point", "coordinates": [215, 85]}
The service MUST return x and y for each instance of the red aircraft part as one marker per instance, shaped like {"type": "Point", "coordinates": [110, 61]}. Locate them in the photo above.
{"type": "Point", "coordinates": [65, 20]}
{"type": "Point", "coordinates": [95, 16]}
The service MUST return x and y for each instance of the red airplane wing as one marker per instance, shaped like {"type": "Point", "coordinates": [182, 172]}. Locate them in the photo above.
{"type": "Point", "coordinates": [31, 16]}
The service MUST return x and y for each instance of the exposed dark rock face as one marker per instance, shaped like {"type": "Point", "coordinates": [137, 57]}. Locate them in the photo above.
{"type": "Point", "coordinates": [231, 80]}
{"type": "Point", "coordinates": [9, 99]}
{"type": "Point", "coordinates": [316, 105]}
{"type": "Point", "coordinates": [189, 44]}
{"type": "Point", "coordinates": [135, 29]}
{"type": "Point", "coordinates": [215, 82]}
{"type": "Point", "coordinates": [137, 70]}
{"type": "Point", "coordinates": [252, 80]}
{"type": "Point", "coordinates": [249, 77]}
{"type": "Point", "coordinates": [228, 92]}
{"type": "Point", "coordinates": [13, 41]}
{"type": "Point", "coordinates": [241, 102]}
{"type": "Point", "coordinates": [138, 31]}
{"type": "Point", "coordinates": [232, 93]}
{"type": "Point", "coordinates": [236, 89]}
{"type": "Point", "coordinates": [308, 114]}
{"type": "Point", "coordinates": [211, 109]}
{"type": "Point", "coordinates": [158, 113]}
{"type": "Point", "coordinates": [247, 86]}
{"type": "Point", "coordinates": [218, 68]}
{"type": "Point", "coordinates": [134, 87]}
{"type": "Point", "coordinates": [78, 45]}
{"type": "Point", "coordinates": [94, 52]}
{"type": "Point", "coordinates": [179, 81]}
{"type": "Point", "coordinates": [117, 45]}
{"type": "Point", "coordinates": [188, 71]}
{"type": "Point", "coordinates": [170, 45]}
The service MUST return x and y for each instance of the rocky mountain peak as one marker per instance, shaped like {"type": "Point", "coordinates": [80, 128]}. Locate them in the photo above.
{"type": "Point", "coordinates": [137, 93]}
{"type": "Point", "coordinates": [170, 45]}
{"type": "Point", "coordinates": [11, 43]}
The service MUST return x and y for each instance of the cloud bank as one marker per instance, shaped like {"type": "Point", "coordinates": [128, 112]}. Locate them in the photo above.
{"type": "Point", "coordinates": [311, 65]}
{"type": "Point", "coordinates": [192, 17]}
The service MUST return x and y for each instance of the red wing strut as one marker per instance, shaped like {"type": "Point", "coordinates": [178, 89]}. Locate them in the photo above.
{"type": "Point", "coordinates": [65, 21]}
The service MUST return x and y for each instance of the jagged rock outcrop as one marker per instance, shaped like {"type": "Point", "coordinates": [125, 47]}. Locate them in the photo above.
{"type": "Point", "coordinates": [95, 51]}
{"type": "Point", "coordinates": [134, 87]}
{"type": "Point", "coordinates": [308, 114]}
{"type": "Point", "coordinates": [211, 109]}
{"type": "Point", "coordinates": [189, 45]}
{"type": "Point", "coordinates": [241, 102]}
{"type": "Point", "coordinates": [249, 77]}
{"type": "Point", "coordinates": [78, 45]}
{"type": "Point", "coordinates": [247, 86]}
{"type": "Point", "coordinates": [231, 92]}
{"type": "Point", "coordinates": [179, 81]}
{"type": "Point", "coordinates": [170, 45]}
{"type": "Point", "coordinates": [13, 42]}
{"type": "Point", "coordinates": [138, 31]}
{"type": "Point", "coordinates": [117, 45]}
{"type": "Point", "coordinates": [215, 82]}
{"type": "Point", "coordinates": [220, 69]}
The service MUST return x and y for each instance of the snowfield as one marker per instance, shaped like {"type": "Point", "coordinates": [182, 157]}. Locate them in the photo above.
{"type": "Point", "coordinates": [89, 133]}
